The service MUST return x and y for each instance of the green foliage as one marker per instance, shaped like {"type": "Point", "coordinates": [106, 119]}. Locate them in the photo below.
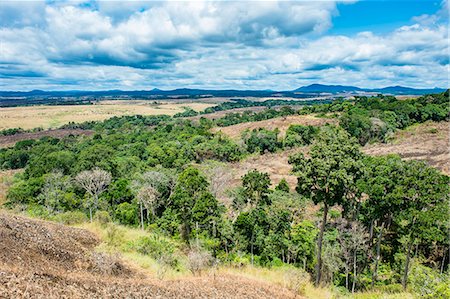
{"type": "Point", "coordinates": [283, 186]}
{"type": "Point", "coordinates": [102, 217]}
{"type": "Point", "coordinates": [71, 217]}
{"type": "Point", "coordinates": [428, 283]}
{"type": "Point", "coordinates": [261, 140]}
{"type": "Point", "coordinates": [256, 187]}
{"type": "Point", "coordinates": [158, 248]}
{"type": "Point", "coordinates": [126, 213]}
{"type": "Point", "coordinates": [297, 135]}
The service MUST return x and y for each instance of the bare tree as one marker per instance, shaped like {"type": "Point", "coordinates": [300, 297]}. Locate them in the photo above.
{"type": "Point", "coordinates": [56, 184]}
{"type": "Point", "coordinates": [147, 197]}
{"type": "Point", "coordinates": [353, 239]}
{"type": "Point", "coordinates": [219, 175]}
{"type": "Point", "coordinates": [94, 182]}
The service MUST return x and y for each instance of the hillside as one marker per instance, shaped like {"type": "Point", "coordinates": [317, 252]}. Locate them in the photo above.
{"type": "Point", "coordinates": [280, 123]}
{"type": "Point", "coordinates": [40, 259]}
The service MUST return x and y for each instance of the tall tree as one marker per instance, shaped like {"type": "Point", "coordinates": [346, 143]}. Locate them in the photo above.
{"type": "Point", "coordinates": [381, 183]}
{"type": "Point", "coordinates": [328, 175]}
{"type": "Point", "coordinates": [94, 182]}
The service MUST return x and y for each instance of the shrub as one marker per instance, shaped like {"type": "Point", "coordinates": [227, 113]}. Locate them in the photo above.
{"type": "Point", "coordinates": [199, 260]}
{"type": "Point", "coordinates": [158, 248]}
{"type": "Point", "coordinates": [428, 283]}
{"type": "Point", "coordinates": [296, 280]}
{"type": "Point", "coordinates": [72, 217]}
{"type": "Point", "coordinates": [102, 217]}
{"type": "Point", "coordinates": [106, 264]}
{"type": "Point", "coordinates": [114, 235]}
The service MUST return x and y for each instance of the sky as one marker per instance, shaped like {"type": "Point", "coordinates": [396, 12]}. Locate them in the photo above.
{"type": "Point", "coordinates": [277, 45]}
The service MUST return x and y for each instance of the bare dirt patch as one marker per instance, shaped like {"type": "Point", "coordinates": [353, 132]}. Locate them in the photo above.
{"type": "Point", "coordinates": [428, 142]}
{"type": "Point", "coordinates": [275, 164]}
{"type": "Point", "coordinates": [55, 116]}
{"type": "Point", "coordinates": [280, 123]}
{"type": "Point", "coordinates": [40, 259]}
{"type": "Point", "coordinates": [6, 141]}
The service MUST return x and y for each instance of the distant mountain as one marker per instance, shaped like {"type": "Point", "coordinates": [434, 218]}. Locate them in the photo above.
{"type": "Point", "coordinates": [336, 89]}
{"type": "Point", "coordinates": [186, 93]}
{"type": "Point", "coordinates": [320, 88]}
{"type": "Point", "coordinates": [398, 90]}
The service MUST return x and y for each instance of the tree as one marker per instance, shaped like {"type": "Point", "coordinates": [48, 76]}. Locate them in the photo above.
{"type": "Point", "coordinates": [94, 182]}
{"type": "Point", "coordinates": [381, 183]}
{"type": "Point", "coordinates": [329, 175]}
{"type": "Point", "coordinates": [283, 186]}
{"type": "Point", "coordinates": [424, 193]}
{"type": "Point", "coordinates": [256, 187]}
{"type": "Point", "coordinates": [147, 197]}
{"type": "Point", "coordinates": [54, 190]}
{"type": "Point", "coordinates": [191, 187]}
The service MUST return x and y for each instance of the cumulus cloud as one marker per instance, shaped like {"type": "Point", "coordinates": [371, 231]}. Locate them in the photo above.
{"type": "Point", "coordinates": [276, 44]}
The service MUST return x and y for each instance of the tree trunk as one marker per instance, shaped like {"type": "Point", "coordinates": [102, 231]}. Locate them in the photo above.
{"type": "Point", "coordinates": [346, 277]}
{"type": "Point", "coordinates": [408, 258]}
{"type": "Point", "coordinates": [377, 258]}
{"type": "Point", "coordinates": [354, 271]}
{"type": "Point", "coordinates": [253, 232]}
{"type": "Point", "coordinates": [319, 245]}
{"type": "Point", "coordinates": [142, 215]}
{"type": "Point", "coordinates": [90, 213]}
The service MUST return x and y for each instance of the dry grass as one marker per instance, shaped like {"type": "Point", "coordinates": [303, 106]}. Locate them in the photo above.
{"type": "Point", "coordinates": [55, 116]}
{"type": "Point", "coordinates": [40, 259]}
{"type": "Point", "coordinates": [10, 140]}
{"type": "Point", "coordinates": [428, 142]}
{"type": "Point", "coordinates": [280, 123]}
{"type": "Point", "coordinates": [275, 164]}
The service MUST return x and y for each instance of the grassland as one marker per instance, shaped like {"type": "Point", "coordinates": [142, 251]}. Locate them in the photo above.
{"type": "Point", "coordinates": [55, 116]}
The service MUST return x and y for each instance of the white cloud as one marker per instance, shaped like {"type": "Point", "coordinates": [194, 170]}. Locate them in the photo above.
{"type": "Point", "coordinates": [277, 45]}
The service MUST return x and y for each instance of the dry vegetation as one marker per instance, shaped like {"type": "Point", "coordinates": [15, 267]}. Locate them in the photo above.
{"type": "Point", "coordinates": [6, 178]}
{"type": "Point", "coordinates": [55, 116]}
{"type": "Point", "coordinates": [282, 123]}
{"type": "Point", "coordinates": [428, 142]}
{"type": "Point", "coordinates": [40, 259]}
{"type": "Point", "coordinates": [6, 141]}
{"type": "Point", "coordinates": [276, 164]}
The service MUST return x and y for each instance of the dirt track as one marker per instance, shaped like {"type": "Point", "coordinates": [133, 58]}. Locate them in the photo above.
{"type": "Point", "coordinates": [40, 259]}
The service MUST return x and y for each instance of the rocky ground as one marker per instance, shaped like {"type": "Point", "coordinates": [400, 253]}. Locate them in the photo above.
{"type": "Point", "coordinates": [40, 259]}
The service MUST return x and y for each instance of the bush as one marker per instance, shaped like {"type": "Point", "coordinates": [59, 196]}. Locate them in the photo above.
{"type": "Point", "coordinates": [199, 260]}
{"type": "Point", "coordinates": [428, 283]}
{"type": "Point", "coordinates": [70, 218]}
{"type": "Point", "coordinates": [114, 235]}
{"type": "Point", "coordinates": [105, 264]}
{"type": "Point", "coordinates": [296, 280]}
{"type": "Point", "coordinates": [158, 248]}
{"type": "Point", "coordinates": [102, 217]}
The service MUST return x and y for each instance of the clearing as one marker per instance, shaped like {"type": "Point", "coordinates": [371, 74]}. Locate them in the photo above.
{"type": "Point", "coordinates": [10, 140]}
{"type": "Point", "coordinates": [30, 117]}
{"type": "Point", "coordinates": [428, 142]}
{"type": "Point", "coordinates": [282, 123]}
{"type": "Point", "coordinates": [40, 259]}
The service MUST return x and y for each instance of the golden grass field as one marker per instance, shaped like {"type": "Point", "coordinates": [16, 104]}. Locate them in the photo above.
{"type": "Point", "coordinates": [55, 116]}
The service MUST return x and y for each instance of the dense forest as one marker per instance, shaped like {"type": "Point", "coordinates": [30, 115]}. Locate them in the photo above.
{"type": "Point", "coordinates": [354, 221]}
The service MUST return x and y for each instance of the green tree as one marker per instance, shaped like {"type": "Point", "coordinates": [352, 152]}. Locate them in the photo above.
{"type": "Point", "coordinates": [283, 186]}
{"type": "Point", "coordinates": [328, 175]}
{"type": "Point", "coordinates": [256, 187]}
